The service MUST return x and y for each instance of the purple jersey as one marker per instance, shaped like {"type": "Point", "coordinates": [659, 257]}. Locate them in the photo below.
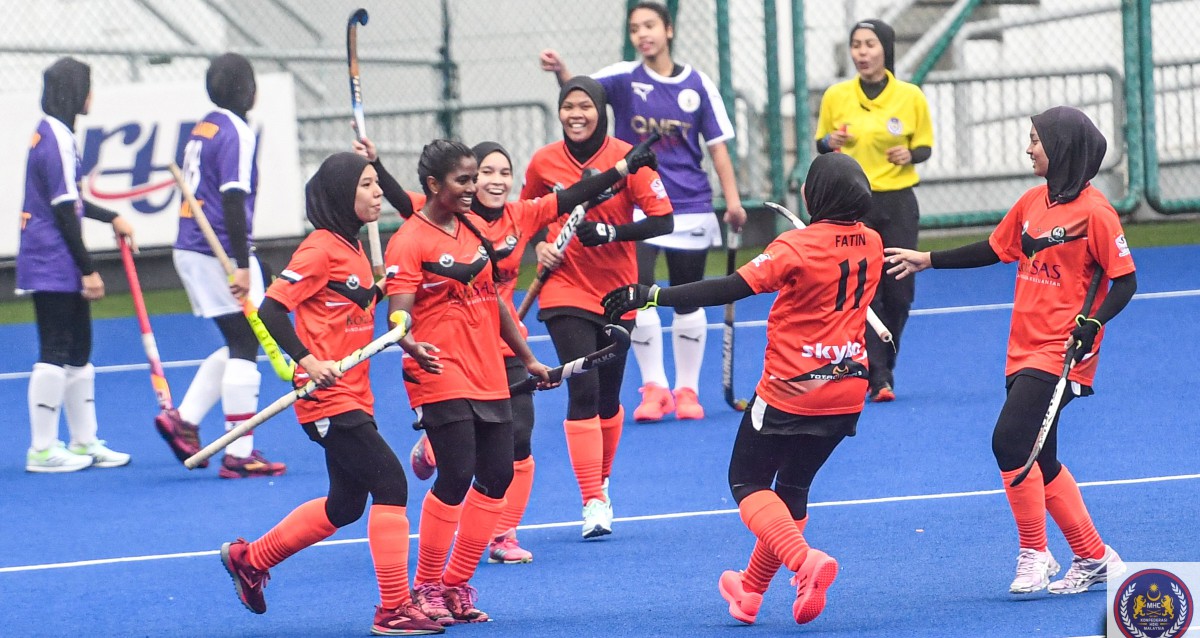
{"type": "Point", "coordinates": [44, 263]}
{"type": "Point", "coordinates": [219, 156]}
{"type": "Point", "coordinates": [682, 109]}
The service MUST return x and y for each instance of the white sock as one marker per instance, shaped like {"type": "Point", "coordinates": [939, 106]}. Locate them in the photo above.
{"type": "Point", "coordinates": [47, 385]}
{"type": "Point", "coordinates": [688, 335]}
{"type": "Point", "coordinates": [80, 403]}
{"type": "Point", "coordinates": [648, 347]}
{"type": "Point", "coordinates": [205, 389]}
{"type": "Point", "coordinates": [239, 399]}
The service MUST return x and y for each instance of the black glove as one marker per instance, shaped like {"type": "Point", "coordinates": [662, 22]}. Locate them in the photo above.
{"type": "Point", "coordinates": [641, 156]}
{"type": "Point", "coordinates": [631, 297]}
{"type": "Point", "coordinates": [1084, 334]}
{"type": "Point", "coordinates": [595, 233]}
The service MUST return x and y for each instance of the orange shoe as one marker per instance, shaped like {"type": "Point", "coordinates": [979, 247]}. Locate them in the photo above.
{"type": "Point", "coordinates": [687, 405]}
{"type": "Point", "coordinates": [816, 574]}
{"type": "Point", "coordinates": [656, 403]}
{"type": "Point", "coordinates": [883, 394]}
{"type": "Point", "coordinates": [743, 605]}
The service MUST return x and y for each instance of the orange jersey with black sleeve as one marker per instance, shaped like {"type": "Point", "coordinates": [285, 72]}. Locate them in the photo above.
{"type": "Point", "coordinates": [510, 234]}
{"type": "Point", "coordinates": [587, 274]}
{"type": "Point", "coordinates": [329, 285]}
{"type": "Point", "coordinates": [826, 276]}
{"type": "Point", "coordinates": [455, 309]}
{"type": "Point", "coordinates": [1057, 247]}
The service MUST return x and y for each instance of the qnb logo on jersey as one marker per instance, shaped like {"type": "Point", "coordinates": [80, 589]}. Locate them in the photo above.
{"type": "Point", "coordinates": [831, 352]}
{"type": "Point", "coordinates": [667, 127]}
{"type": "Point", "coordinates": [130, 173]}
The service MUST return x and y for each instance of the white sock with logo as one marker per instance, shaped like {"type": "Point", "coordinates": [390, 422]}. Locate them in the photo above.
{"type": "Point", "coordinates": [647, 346]}
{"type": "Point", "coordinates": [79, 399]}
{"type": "Point", "coordinates": [47, 385]}
{"type": "Point", "coordinates": [239, 399]}
{"type": "Point", "coordinates": [205, 389]}
{"type": "Point", "coordinates": [688, 335]}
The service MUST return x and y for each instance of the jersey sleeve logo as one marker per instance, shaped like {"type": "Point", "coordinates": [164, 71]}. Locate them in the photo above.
{"type": "Point", "coordinates": [291, 276]}
{"type": "Point", "coordinates": [761, 259]}
{"type": "Point", "coordinates": [689, 100]}
{"type": "Point", "coordinates": [1122, 246]}
{"type": "Point", "coordinates": [660, 191]}
{"type": "Point", "coordinates": [641, 89]}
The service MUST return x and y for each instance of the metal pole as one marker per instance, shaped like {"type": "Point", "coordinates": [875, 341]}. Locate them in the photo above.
{"type": "Point", "coordinates": [725, 71]}
{"type": "Point", "coordinates": [774, 108]}
{"type": "Point", "coordinates": [447, 117]}
{"type": "Point", "coordinates": [802, 115]}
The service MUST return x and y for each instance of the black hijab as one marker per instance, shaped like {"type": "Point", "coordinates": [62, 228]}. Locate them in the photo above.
{"type": "Point", "coordinates": [329, 196]}
{"type": "Point", "coordinates": [230, 83]}
{"type": "Point", "coordinates": [482, 150]}
{"type": "Point", "coordinates": [836, 189]}
{"type": "Point", "coordinates": [584, 151]}
{"type": "Point", "coordinates": [1074, 147]}
{"type": "Point", "coordinates": [887, 39]}
{"type": "Point", "coordinates": [65, 88]}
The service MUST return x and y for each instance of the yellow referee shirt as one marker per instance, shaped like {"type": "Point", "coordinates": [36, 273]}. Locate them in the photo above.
{"type": "Point", "coordinates": [899, 116]}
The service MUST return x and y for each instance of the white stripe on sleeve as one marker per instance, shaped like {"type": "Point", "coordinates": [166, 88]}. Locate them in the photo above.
{"type": "Point", "coordinates": [718, 108]}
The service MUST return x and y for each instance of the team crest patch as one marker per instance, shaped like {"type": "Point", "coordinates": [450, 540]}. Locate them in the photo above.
{"type": "Point", "coordinates": [510, 241]}
{"type": "Point", "coordinates": [689, 100]}
{"type": "Point", "coordinates": [352, 282]}
{"type": "Point", "coordinates": [483, 251]}
{"type": "Point", "coordinates": [1122, 246]}
{"type": "Point", "coordinates": [894, 126]}
{"type": "Point", "coordinates": [446, 260]}
{"type": "Point", "coordinates": [1058, 234]}
{"type": "Point", "coordinates": [1153, 603]}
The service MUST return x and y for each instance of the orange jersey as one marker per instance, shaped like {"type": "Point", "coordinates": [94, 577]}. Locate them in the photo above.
{"type": "Point", "coordinates": [509, 234]}
{"type": "Point", "coordinates": [816, 358]}
{"type": "Point", "coordinates": [329, 285]}
{"type": "Point", "coordinates": [587, 274]}
{"type": "Point", "coordinates": [456, 309]}
{"type": "Point", "coordinates": [1058, 247]}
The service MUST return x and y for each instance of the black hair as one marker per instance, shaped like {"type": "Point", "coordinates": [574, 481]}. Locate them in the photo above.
{"type": "Point", "coordinates": [656, 7]}
{"type": "Point", "coordinates": [438, 158]}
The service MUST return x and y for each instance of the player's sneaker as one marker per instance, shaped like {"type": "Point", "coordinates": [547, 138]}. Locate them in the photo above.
{"type": "Point", "coordinates": [604, 489]}
{"type": "Point", "coordinates": [181, 436]}
{"type": "Point", "coordinates": [406, 620]}
{"type": "Point", "coordinates": [743, 605]}
{"type": "Point", "coordinates": [687, 405]}
{"type": "Point", "coordinates": [1085, 572]}
{"type": "Point", "coordinates": [422, 459]}
{"type": "Point", "coordinates": [883, 394]}
{"type": "Point", "coordinates": [248, 580]}
{"type": "Point", "coordinates": [597, 518]}
{"type": "Point", "coordinates": [54, 459]}
{"type": "Point", "coordinates": [1034, 570]}
{"type": "Point", "coordinates": [815, 576]}
{"type": "Point", "coordinates": [101, 455]}
{"type": "Point", "coordinates": [505, 549]}
{"type": "Point", "coordinates": [256, 464]}
{"type": "Point", "coordinates": [656, 403]}
{"type": "Point", "coordinates": [460, 600]}
{"type": "Point", "coordinates": [430, 599]}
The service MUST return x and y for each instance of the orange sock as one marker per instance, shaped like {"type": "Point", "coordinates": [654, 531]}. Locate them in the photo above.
{"type": "Point", "coordinates": [438, 524]}
{"type": "Point", "coordinates": [517, 496]}
{"type": "Point", "coordinates": [387, 534]}
{"type": "Point", "coordinates": [764, 563]}
{"type": "Point", "coordinates": [1065, 504]}
{"type": "Point", "coordinates": [585, 446]}
{"type": "Point", "coordinates": [304, 526]}
{"type": "Point", "coordinates": [766, 515]}
{"type": "Point", "coordinates": [479, 516]}
{"type": "Point", "coordinates": [610, 428]}
{"type": "Point", "coordinates": [1028, 503]}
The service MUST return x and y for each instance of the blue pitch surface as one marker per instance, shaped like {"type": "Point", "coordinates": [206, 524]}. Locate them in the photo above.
{"type": "Point", "coordinates": [912, 507]}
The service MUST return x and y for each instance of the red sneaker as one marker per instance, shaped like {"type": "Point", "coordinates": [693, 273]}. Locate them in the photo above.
{"type": "Point", "coordinates": [687, 405]}
{"type": "Point", "coordinates": [743, 605]}
{"type": "Point", "coordinates": [247, 579]}
{"type": "Point", "coordinates": [430, 599]}
{"type": "Point", "coordinates": [656, 403]}
{"type": "Point", "coordinates": [406, 620]}
{"type": "Point", "coordinates": [883, 394]}
{"type": "Point", "coordinates": [460, 600]}
{"type": "Point", "coordinates": [183, 437]}
{"type": "Point", "coordinates": [422, 459]}
{"type": "Point", "coordinates": [254, 465]}
{"type": "Point", "coordinates": [816, 574]}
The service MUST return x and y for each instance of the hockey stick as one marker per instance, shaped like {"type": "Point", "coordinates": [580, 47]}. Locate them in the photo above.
{"type": "Point", "coordinates": [282, 367]}
{"type": "Point", "coordinates": [1059, 388]}
{"type": "Point", "coordinates": [403, 322]}
{"type": "Point", "coordinates": [560, 243]}
{"type": "Point", "coordinates": [158, 378]}
{"type": "Point", "coordinates": [360, 123]}
{"type": "Point", "coordinates": [605, 355]}
{"type": "Point", "coordinates": [877, 325]}
{"type": "Point", "coordinates": [733, 242]}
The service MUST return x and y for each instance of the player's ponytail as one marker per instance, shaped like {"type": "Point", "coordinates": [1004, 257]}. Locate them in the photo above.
{"type": "Point", "coordinates": [487, 245]}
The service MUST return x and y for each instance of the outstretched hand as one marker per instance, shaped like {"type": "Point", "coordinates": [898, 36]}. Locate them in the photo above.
{"type": "Point", "coordinates": [905, 261]}
{"type": "Point", "coordinates": [630, 297]}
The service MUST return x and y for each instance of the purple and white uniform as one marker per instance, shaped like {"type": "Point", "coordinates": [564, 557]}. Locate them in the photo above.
{"type": "Point", "coordinates": [44, 263]}
{"type": "Point", "coordinates": [682, 109]}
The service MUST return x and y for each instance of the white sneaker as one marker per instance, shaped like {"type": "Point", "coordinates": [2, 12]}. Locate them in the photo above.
{"type": "Point", "coordinates": [1034, 570]}
{"type": "Point", "coordinates": [101, 455]}
{"type": "Point", "coordinates": [56, 458]}
{"type": "Point", "coordinates": [1085, 572]}
{"type": "Point", "coordinates": [597, 518]}
{"type": "Point", "coordinates": [604, 488]}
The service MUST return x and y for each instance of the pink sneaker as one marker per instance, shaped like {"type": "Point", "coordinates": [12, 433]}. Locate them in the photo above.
{"type": "Point", "coordinates": [460, 600]}
{"type": "Point", "coordinates": [430, 598]}
{"type": "Point", "coordinates": [504, 549]}
{"type": "Point", "coordinates": [183, 437]}
{"type": "Point", "coordinates": [687, 405]}
{"type": "Point", "coordinates": [248, 580]}
{"type": "Point", "coordinates": [743, 605]}
{"type": "Point", "coordinates": [656, 403]}
{"type": "Point", "coordinates": [254, 465]}
{"type": "Point", "coordinates": [406, 620]}
{"type": "Point", "coordinates": [815, 575]}
{"type": "Point", "coordinates": [422, 459]}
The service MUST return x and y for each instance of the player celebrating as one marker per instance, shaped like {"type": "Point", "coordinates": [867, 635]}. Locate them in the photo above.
{"type": "Point", "coordinates": [657, 95]}
{"type": "Point", "coordinates": [808, 398]}
{"type": "Point", "coordinates": [54, 265]}
{"type": "Point", "coordinates": [220, 164]}
{"type": "Point", "coordinates": [328, 284]}
{"type": "Point", "coordinates": [1062, 233]}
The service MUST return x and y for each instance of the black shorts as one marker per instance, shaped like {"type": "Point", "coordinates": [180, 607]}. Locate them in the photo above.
{"type": "Point", "coordinates": [770, 420]}
{"type": "Point", "coordinates": [432, 415]}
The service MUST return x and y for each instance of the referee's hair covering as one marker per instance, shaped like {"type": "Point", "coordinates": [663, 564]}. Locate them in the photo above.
{"type": "Point", "coordinates": [836, 189]}
{"type": "Point", "coordinates": [887, 38]}
{"type": "Point", "coordinates": [330, 195]}
{"type": "Point", "coordinates": [230, 83]}
{"type": "Point", "coordinates": [1074, 147]}
{"type": "Point", "coordinates": [65, 88]}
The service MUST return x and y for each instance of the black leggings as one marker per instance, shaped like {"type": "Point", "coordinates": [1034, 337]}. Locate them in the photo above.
{"type": "Point", "coordinates": [359, 463]}
{"type": "Point", "coordinates": [471, 449]}
{"type": "Point", "coordinates": [683, 267]}
{"type": "Point", "coordinates": [789, 461]}
{"type": "Point", "coordinates": [595, 392]}
{"type": "Point", "coordinates": [1018, 424]}
{"type": "Point", "coordinates": [522, 410]}
{"type": "Point", "coordinates": [896, 217]}
{"type": "Point", "coordinates": [64, 325]}
{"type": "Point", "coordinates": [238, 336]}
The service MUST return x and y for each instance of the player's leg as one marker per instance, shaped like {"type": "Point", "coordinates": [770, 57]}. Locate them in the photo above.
{"type": "Point", "coordinates": [79, 397]}
{"type": "Point", "coordinates": [896, 217]}
{"type": "Point", "coordinates": [504, 547]}
{"type": "Point", "coordinates": [239, 400]}
{"type": "Point", "coordinates": [452, 435]}
{"type": "Point", "coordinates": [612, 424]}
{"type": "Point", "coordinates": [646, 340]}
{"type": "Point", "coordinates": [689, 332]}
{"type": "Point", "coordinates": [47, 386]}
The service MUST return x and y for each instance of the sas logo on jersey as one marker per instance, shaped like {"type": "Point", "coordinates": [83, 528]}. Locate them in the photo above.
{"type": "Point", "coordinates": [761, 259]}
{"type": "Point", "coordinates": [446, 260]}
{"type": "Point", "coordinates": [352, 282]}
{"type": "Point", "coordinates": [894, 126]}
{"type": "Point", "coordinates": [291, 276]}
{"type": "Point", "coordinates": [1122, 246]}
{"type": "Point", "coordinates": [641, 89]}
{"type": "Point", "coordinates": [830, 352]}
{"type": "Point", "coordinates": [659, 191]}
{"type": "Point", "coordinates": [689, 100]}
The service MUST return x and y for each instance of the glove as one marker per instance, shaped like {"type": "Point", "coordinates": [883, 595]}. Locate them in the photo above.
{"type": "Point", "coordinates": [631, 297]}
{"type": "Point", "coordinates": [596, 233]}
{"type": "Point", "coordinates": [1084, 334]}
{"type": "Point", "coordinates": [641, 156]}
